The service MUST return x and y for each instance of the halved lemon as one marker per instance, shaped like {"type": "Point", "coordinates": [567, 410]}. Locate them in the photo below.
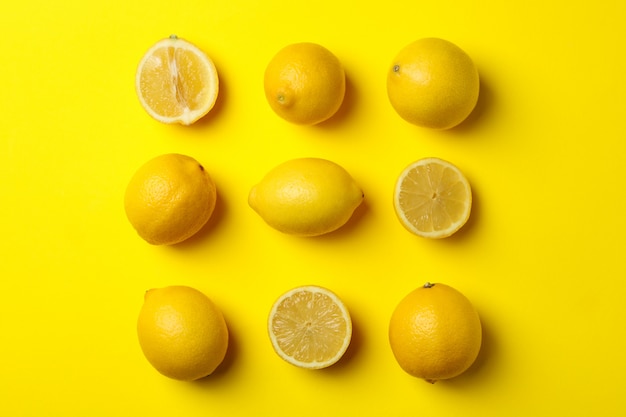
{"type": "Point", "coordinates": [432, 198]}
{"type": "Point", "coordinates": [176, 82]}
{"type": "Point", "coordinates": [310, 327]}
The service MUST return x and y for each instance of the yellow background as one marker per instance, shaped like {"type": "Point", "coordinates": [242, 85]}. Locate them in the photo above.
{"type": "Point", "coordinates": [542, 257]}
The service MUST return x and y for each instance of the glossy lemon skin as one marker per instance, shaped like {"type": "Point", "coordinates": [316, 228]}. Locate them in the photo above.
{"type": "Point", "coordinates": [433, 83]}
{"type": "Point", "coordinates": [306, 197]}
{"type": "Point", "coordinates": [435, 333]}
{"type": "Point", "coordinates": [169, 199]}
{"type": "Point", "coordinates": [305, 83]}
{"type": "Point", "coordinates": [181, 332]}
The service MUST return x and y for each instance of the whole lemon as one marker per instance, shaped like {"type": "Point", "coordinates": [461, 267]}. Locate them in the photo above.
{"type": "Point", "coordinates": [305, 83]}
{"type": "Point", "coordinates": [433, 83]}
{"type": "Point", "coordinates": [169, 199]}
{"type": "Point", "coordinates": [435, 333]}
{"type": "Point", "coordinates": [306, 197]}
{"type": "Point", "coordinates": [181, 332]}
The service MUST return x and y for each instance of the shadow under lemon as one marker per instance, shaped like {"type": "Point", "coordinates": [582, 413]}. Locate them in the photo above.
{"type": "Point", "coordinates": [208, 229]}
{"type": "Point", "coordinates": [222, 371]}
{"type": "Point", "coordinates": [345, 110]}
{"type": "Point", "coordinates": [479, 115]}
{"type": "Point", "coordinates": [483, 362]}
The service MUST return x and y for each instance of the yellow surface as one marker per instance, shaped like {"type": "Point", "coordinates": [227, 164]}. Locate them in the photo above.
{"type": "Point", "coordinates": [541, 257]}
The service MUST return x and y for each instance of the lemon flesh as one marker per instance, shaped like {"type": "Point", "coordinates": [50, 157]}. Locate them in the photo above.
{"type": "Point", "coordinates": [310, 327]}
{"type": "Point", "coordinates": [432, 198]}
{"type": "Point", "coordinates": [176, 82]}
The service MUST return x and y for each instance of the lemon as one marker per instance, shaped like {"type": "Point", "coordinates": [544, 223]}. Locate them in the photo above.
{"type": "Point", "coordinates": [435, 333]}
{"type": "Point", "coordinates": [176, 82]}
{"type": "Point", "coordinates": [305, 83]}
{"type": "Point", "coordinates": [181, 332]}
{"type": "Point", "coordinates": [432, 198]}
{"type": "Point", "coordinates": [169, 199]}
{"type": "Point", "coordinates": [433, 83]}
{"type": "Point", "coordinates": [306, 197]}
{"type": "Point", "coordinates": [310, 327]}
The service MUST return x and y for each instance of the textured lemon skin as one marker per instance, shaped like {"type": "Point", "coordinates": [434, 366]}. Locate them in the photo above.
{"type": "Point", "coordinates": [433, 83]}
{"type": "Point", "coordinates": [169, 199]}
{"type": "Point", "coordinates": [306, 197]}
{"type": "Point", "coordinates": [435, 333]}
{"type": "Point", "coordinates": [305, 83]}
{"type": "Point", "coordinates": [182, 332]}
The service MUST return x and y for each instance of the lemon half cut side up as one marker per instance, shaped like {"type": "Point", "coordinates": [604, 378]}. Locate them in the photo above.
{"type": "Point", "coordinates": [432, 198]}
{"type": "Point", "coordinates": [176, 82]}
{"type": "Point", "coordinates": [310, 327]}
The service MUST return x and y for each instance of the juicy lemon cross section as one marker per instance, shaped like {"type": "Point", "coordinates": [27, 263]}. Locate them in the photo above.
{"type": "Point", "coordinates": [432, 198]}
{"type": "Point", "coordinates": [310, 327]}
{"type": "Point", "coordinates": [176, 82]}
